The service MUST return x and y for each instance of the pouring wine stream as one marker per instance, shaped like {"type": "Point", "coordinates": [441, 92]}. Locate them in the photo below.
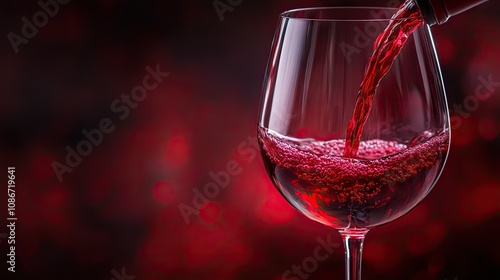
{"type": "Point", "coordinates": [387, 47]}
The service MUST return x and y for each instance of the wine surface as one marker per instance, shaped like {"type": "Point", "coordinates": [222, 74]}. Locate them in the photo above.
{"type": "Point", "coordinates": [384, 181]}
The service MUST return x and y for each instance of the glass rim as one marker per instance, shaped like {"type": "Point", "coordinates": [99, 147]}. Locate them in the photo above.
{"type": "Point", "coordinates": [289, 14]}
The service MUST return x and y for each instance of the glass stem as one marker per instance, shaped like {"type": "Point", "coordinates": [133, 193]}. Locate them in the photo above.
{"type": "Point", "coordinates": [353, 246]}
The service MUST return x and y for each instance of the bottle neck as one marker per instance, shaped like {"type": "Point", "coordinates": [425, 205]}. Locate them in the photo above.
{"type": "Point", "coordinates": [439, 11]}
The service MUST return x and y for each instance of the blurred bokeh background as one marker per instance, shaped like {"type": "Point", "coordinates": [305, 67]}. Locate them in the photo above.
{"type": "Point", "coordinates": [117, 212]}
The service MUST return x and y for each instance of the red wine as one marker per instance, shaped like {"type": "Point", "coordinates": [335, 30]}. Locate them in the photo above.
{"type": "Point", "coordinates": [386, 49]}
{"type": "Point", "coordinates": [386, 180]}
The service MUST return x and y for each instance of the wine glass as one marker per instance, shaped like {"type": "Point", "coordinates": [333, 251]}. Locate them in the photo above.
{"type": "Point", "coordinates": [318, 60]}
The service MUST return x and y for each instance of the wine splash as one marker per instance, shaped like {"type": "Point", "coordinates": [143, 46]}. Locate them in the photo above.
{"type": "Point", "coordinates": [387, 47]}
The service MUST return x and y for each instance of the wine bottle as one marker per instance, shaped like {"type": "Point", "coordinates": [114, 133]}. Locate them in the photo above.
{"type": "Point", "coordinates": [439, 11]}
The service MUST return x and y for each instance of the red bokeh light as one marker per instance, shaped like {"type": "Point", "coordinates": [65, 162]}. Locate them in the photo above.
{"type": "Point", "coordinates": [480, 202]}
{"type": "Point", "coordinates": [164, 192]}
{"type": "Point", "coordinates": [177, 150]}
{"type": "Point", "coordinates": [488, 128]}
{"type": "Point", "coordinates": [209, 212]}
{"type": "Point", "coordinates": [436, 231]}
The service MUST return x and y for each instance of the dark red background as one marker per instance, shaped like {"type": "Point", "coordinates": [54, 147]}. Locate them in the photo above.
{"type": "Point", "coordinates": [120, 207]}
